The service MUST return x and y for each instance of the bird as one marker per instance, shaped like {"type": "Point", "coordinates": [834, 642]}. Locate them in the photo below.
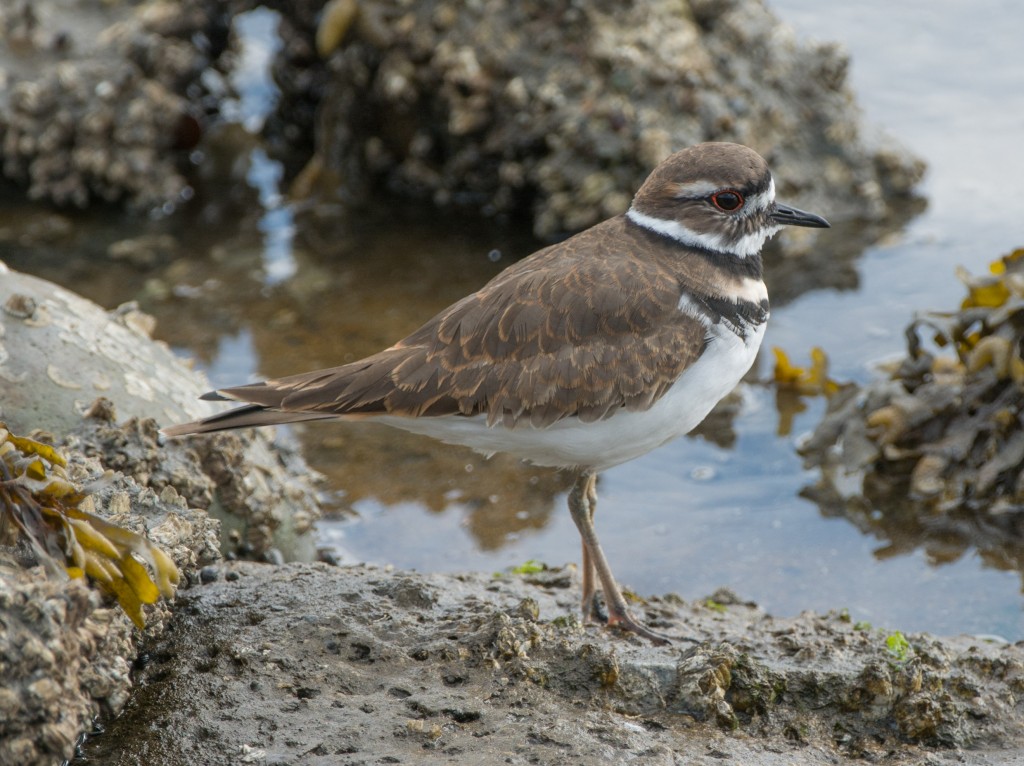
{"type": "Point", "coordinates": [584, 355]}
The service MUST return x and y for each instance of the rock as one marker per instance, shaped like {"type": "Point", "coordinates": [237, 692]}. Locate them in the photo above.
{"type": "Point", "coordinates": [100, 114]}
{"type": "Point", "coordinates": [57, 647]}
{"type": "Point", "coordinates": [64, 656]}
{"type": "Point", "coordinates": [60, 352]}
{"type": "Point", "coordinates": [399, 667]}
{"type": "Point", "coordinates": [553, 112]}
{"type": "Point", "coordinates": [65, 659]}
{"type": "Point", "coordinates": [560, 111]}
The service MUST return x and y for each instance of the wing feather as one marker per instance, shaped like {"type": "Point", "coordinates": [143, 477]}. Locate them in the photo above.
{"type": "Point", "coordinates": [578, 329]}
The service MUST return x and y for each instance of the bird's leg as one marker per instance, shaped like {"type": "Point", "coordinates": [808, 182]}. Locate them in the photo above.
{"type": "Point", "coordinates": [582, 503]}
{"type": "Point", "coordinates": [592, 610]}
{"type": "Point", "coordinates": [589, 589]}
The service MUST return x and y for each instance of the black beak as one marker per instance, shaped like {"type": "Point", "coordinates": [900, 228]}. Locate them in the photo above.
{"type": "Point", "coordinates": [784, 215]}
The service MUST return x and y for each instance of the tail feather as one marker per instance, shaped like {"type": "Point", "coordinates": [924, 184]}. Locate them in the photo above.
{"type": "Point", "coordinates": [250, 416]}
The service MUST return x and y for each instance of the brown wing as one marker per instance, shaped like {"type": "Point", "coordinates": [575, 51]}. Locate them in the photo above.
{"type": "Point", "coordinates": [581, 328]}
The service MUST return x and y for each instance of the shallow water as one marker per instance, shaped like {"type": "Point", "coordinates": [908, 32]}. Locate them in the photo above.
{"type": "Point", "coordinates": [312, 287]}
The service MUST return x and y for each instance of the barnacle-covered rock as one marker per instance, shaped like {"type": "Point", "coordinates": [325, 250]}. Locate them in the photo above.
{"type": "Point", "coordinates": [64, 660]}
{"type": "Point", "coordinates": [64, 655]}
{"type": "Point", "coordinates": [93, 104]}
{"type": "Point", "coordinates": [552, 111]}
{"type": "Point", "coordinates": [43, 511]}
{"type": "Point", "coordinates": [59, 353]}
{"type": "Point", "coordinates": [93, 496]}
{"type": "Point", "coordinates": [559, 110]}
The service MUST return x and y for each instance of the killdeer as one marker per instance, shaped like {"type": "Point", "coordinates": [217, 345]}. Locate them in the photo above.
{"type": "Point", "coordinates": [585, 354]}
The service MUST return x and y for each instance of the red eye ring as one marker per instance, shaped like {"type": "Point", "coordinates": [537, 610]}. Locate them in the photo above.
{"type": "Point", "coordinates": [728, 200]}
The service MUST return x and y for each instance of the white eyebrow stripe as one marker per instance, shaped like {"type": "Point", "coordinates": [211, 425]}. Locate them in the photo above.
{"type": "Point", "coordinates": [696, 189]}
{"type": "Point", "coordinates": [704, 188]}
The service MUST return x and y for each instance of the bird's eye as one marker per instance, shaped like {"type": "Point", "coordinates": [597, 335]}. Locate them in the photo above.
{"type": "Point", "coordinates": [727, 200]}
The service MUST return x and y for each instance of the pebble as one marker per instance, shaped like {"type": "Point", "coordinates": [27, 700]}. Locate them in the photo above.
{"type": "Point", "coordinates": [328, 556]}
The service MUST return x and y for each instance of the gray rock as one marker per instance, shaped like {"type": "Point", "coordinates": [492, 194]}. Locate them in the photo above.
{"type": "Point", "coordinates": [60, 352]}
{"type": "Point", "coordinates": [312, 664]}
{"type": "Point", "coordinates": [63, 657]}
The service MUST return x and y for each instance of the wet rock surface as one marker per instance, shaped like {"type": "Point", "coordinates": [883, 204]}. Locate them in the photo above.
{"type": "Point", "coordinates": [311, 664]}
{"type": "Point", "coordinates": [559, 110]}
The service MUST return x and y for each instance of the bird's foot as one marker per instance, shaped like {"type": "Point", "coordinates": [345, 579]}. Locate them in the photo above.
{"type": "Point", "coordinates": [594, 613]}
{"type": "Point", "coordinates": [626, 621]}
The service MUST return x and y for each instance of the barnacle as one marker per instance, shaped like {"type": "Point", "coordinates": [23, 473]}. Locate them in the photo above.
{"type": "Point", "coordinates": [947, 370]}
{"type": "Point", "coordinates": [928, 476]}
{"type": "Point", "coordinates": [39, 508]}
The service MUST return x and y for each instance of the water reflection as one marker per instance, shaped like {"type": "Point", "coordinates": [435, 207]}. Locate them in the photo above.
{"type": "Point", "coordinates": [278, 220]}
{"type": "Point", "coordinates": [884, 508]}
{"type": "Point", "coordinates": [499, 498]}
{"type": "Point", "coordinates": [835, 263]}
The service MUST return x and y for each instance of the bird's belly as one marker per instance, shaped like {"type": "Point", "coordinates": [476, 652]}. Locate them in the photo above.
{"type": "Point", "coordinates": [571, 443]}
